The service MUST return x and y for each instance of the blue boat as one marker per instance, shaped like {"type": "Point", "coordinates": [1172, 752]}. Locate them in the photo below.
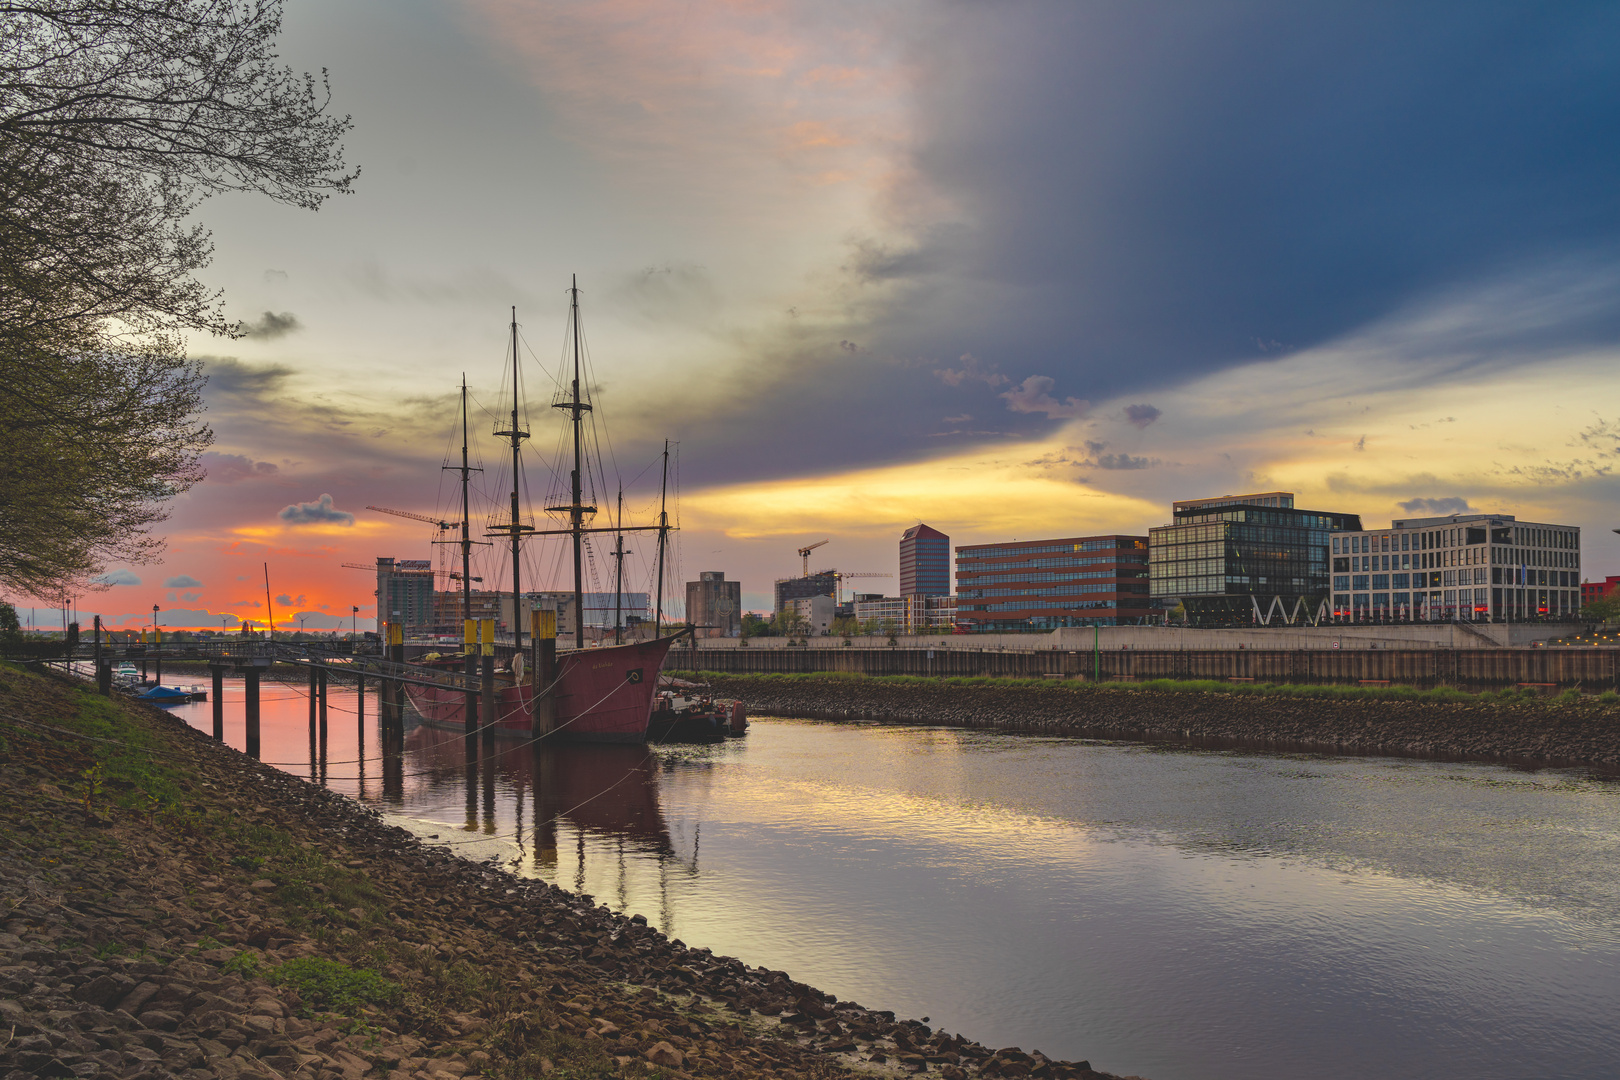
{"type": "Point", "coordinates": [169, 695]}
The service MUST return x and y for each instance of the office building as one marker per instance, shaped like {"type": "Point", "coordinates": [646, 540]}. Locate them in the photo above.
{"type": "Point", "coordinates": [821, 583]}
{"type": "Point", "coordinates": [405, 595]}
{"type": "Point", "coordinates": [1044, 584]}
{"type": "Point", "coordinates": [917, 614]}
{"type": "Point", "coordinates": [1592, 591]}
{"type": "Point", "coordinates": [814, 614]}
{"type": "Point", "coordinates": [1464, 567]}
{"type": "Point", "coordinates": [925, 562]}
{"type": "Point", "coordinates": [1245, 559]}
{"type": "Point", "coordinates": [714, 605]}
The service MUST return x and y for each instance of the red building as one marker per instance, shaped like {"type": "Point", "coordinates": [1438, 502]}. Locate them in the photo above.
{"type": "Point", "coordinates": [1598, 590]}
{"type": "Point", "coordinates": [1044, 584]}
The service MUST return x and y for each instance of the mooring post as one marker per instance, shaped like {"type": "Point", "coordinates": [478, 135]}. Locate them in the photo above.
{"type": "Point", "coordinates": [145, 671]}
{"type": "Point", "coordinates": [312, 692]}
{"type": "Point", "coordinates": [486, 644]}
{"type": "Point", "coordinates": [360, 704]}
{"type": "Point", "coordinates": [469, 655]}
{"type": "Point", "coordinates": [103, 667]}
{"type": "Point", "coordinates": [157, 674]}
{"type": "Point", "coordinates": [218, 697]}
{"type": "Point", "coordinates": [542, 703]}
{"type": "Point", "coordinates": [320, 686]}
{"type": "Point", "coordinates": [250, 688]}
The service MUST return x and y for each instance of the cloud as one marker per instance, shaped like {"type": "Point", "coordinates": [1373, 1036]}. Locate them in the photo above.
{"type": "Point", "coordinates": [1141, 415]}
{"type": "Point", "coordinates": [320, 512]}
{"type": "Point", "coordinates": [183, 581]}
{"type": "Point", "coordinates": [229, 468]}
{"type": "Point", "coordinates": [1451, 504]}
{"type": "Point", "coordinates": [116, 577]}
{"type": "Point", "coordinates": [1034, 395]}
{"type": "Point", "coordinates": [287, 601]}
{"type": "Point", "coordinates": [270, 326]}
{"type": "Point", "coordinates": [1125, 461]}
{"type": "Point", "coordinates": [972, 369]}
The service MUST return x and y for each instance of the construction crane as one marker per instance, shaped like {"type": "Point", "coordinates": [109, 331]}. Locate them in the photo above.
{"type": "Point", "coordinates": [838, 595]}
{"type": "Point", "coordinates": [804, 553]}
{"type": "Point", "coordinates": [414, 517]}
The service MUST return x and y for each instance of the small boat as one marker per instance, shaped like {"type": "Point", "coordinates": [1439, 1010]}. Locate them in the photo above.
{"type": "Point", "coordinates": [684, 712]}
{"type": "Point", "coordinates": [172, 695]}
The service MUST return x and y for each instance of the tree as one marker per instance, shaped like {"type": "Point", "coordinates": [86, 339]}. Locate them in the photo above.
{"type": "Point", "coordinates": [117, 118]}
{"type": "Point", "coordinates": [1602, 610]}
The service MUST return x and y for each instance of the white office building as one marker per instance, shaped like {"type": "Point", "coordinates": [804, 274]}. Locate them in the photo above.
{"type": "Point", "coordinates": [1473, 567]}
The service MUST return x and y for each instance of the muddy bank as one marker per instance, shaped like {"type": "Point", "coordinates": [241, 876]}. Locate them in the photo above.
{"type": "Point", "coordinates": [1535, 732]}
{"type": "Point", "coordinates": [171, 908]}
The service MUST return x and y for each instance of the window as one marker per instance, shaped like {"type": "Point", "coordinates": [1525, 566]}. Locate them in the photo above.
{"type": "Point", "coordinates": [1405, 537]}
{"type": "Point", "coordinates": [1402, 599]}
{"type": "Point", "coordinates": [1380, 581]}
{"type": "Point", "coordinates": [1341, 583]}
{"type": "Point", "coordinates": [1402, 581]}
{"type": "Point", "coordinates": [1359, 581]}
{"type": "Point", "coordinates": [1380, 600]}
{"type": "Point", "coordinates": [1335, 545]}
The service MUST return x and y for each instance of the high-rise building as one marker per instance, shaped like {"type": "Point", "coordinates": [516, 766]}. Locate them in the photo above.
{"type": "Point", "coordinates": [405, 594]}
{"type": "Point", "coordinates": [714, 605]}
{"type": "Point", "coordinates": [1242, 559]}
{"type": "Point", "coordinates": [821, 583]}
{"type": "Point", "coordinates": [1469, 567]}
{"type": "Point", "coordinates": [925, 562]}
{"type": "Point", "coordinates": [1044, 584]}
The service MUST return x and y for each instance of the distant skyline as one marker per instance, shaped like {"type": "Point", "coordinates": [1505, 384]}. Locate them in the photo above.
{"type": "Point", "coordinates": [1015, 270]}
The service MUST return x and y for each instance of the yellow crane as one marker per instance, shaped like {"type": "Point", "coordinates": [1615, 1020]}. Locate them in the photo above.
{"type": "Point", "coordinates": [415, 517]}
{"type": "Point", "coordinates": [804, 553]}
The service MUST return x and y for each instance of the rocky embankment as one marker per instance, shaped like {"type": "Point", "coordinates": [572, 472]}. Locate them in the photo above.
{"type": "Point", "coordinates": [170, 908]}
{"type": "Point", "coordinates": [1552, 731]}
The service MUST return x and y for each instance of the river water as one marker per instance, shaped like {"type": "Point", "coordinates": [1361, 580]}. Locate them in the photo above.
{"type": "Point", "coordinates": [1181, 915]}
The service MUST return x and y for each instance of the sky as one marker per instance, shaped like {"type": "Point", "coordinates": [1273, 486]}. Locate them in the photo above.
{"type": "Point", "coordinates": [1015, 269]}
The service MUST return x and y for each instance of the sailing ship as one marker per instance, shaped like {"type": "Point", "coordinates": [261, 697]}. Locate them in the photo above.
{"type": "Point", "coordinates": [600, 694]}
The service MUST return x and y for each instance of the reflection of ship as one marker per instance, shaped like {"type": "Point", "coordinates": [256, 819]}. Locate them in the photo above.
{"type": "Point", "coordinates": [604, 789]}
{"type": "Point", "coordinates": [595, 695]}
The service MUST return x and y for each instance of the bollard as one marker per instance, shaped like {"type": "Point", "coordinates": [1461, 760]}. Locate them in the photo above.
{"type": "Point", "coordinates": [542, 702]}
{"type": "Point", "coordinates": [469, 652]}
{"type": "Point", "coordinates": [218, 672]}
{"type": "Point", "coordinates": [250, 687]}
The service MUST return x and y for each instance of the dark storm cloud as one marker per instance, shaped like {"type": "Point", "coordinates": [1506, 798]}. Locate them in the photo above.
{"type": "Point", "coordinates": [1153, 191]}
{"type": "Point", "coordinates": [319, 512]}
{"type": "Point", "coordinates": [270, 326]}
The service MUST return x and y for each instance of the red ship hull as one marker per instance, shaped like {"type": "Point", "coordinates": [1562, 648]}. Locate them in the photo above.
{"type": "Point", "coordinates": [601, 695]}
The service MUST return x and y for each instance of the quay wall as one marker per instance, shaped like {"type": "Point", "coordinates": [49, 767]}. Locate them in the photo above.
{"type": "Point", "coordinates": [1537, 733]}
{"type": "Point", "coordinates": [1591, 669]}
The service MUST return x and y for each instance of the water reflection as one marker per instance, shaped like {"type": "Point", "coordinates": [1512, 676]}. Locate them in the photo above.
{"type": "Point", "coordinates": [1168, 913]}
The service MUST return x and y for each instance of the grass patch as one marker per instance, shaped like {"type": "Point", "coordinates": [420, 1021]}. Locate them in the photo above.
{"type": "Point", "coordinates": [331, 986]}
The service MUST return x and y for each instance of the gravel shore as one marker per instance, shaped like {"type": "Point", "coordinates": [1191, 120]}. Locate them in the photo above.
{"type": "Point", "coordinates": [171, 908]}
{"type": "Point", "coordinates": [1545, 732]}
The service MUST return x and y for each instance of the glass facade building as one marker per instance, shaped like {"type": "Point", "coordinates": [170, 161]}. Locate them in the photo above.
{"type": "Point", "coordinates": [1468, 567]}
{"type": "Point", "coordinates": [1045, 584]}
{"type": "Point", "coordinates": [1245, 559]}
{"type": "Point", "coordinates": [925, 562]}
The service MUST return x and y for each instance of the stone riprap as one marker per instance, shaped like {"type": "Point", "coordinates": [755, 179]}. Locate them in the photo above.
{"type": "Point", "coordinates": [171, 908]}
{"type": "Point", "coordinates": [1549, 731]}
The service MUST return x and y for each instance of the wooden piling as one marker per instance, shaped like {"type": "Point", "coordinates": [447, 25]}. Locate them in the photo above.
{"type": "Point", "coordinates": [218, 698]}
{"type": "Point", "coordinates": [543, 702]}
{"type": "Point", "coordinates": [320, 688]}
{"type": "Point", "coordinates": [157, 660]}
{"type": "Point", "coordinates": [486, 644]}
{"type": "Point", "coordinates": [311, 696]}
{"type": "Point", "coordinates": [250, 687]}
{"type": "Point", "coordinates": [469, 653]}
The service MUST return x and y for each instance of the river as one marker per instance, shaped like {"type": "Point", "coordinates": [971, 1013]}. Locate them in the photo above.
{"type": "Point", "coordinates": [1176, 914]}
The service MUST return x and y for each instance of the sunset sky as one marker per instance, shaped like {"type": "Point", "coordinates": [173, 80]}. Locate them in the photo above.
{"type": "Point", "coordinates": [1014, 269]}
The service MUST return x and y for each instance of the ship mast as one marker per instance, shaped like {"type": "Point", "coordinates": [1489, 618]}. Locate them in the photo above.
{"type": "Point", "coordinates": [618, 573]}
{"type": "Point", "coordinates": [576, 507]}
{"type": "Point", "coordinates": [515, 529]}
{"type": "Point", "coordinates": [663, 536]}
{"type": "Point", "coordinates": [466, 517]}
